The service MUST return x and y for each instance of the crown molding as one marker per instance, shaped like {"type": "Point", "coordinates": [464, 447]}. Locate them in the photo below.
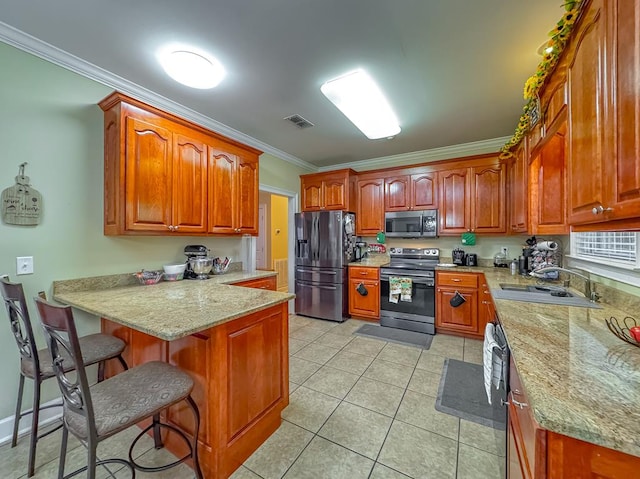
{"type": "Point", "coordinates": [434, 154]}
{"type": "Point", "coordinates": [30, 44]}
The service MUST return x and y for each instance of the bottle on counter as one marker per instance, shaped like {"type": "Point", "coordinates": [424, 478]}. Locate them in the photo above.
{"type": "Point", "coordinates": [514, 266]}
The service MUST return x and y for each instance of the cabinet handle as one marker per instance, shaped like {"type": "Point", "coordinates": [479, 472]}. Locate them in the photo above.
{"type": "Point", "coordinates": [519, 404]}
{"type": "Point", "coordinates": [486, 292]}
{"type": "Point", "coordinates": [457, 280]}
{"type": "Point", "coordinates": [600, 209]}
{"type": "Point", "coordinates": [364, 273]}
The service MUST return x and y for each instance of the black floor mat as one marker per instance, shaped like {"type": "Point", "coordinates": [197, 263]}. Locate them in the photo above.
{"type": "Point", "coordinates": [394, 335]}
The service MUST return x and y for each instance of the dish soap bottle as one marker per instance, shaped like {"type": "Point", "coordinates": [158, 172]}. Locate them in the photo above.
{"type": "Point", "coordinates": [514, 266]}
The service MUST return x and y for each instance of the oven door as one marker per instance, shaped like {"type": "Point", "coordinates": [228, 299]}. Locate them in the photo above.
{"type": "Point", "coordinates": [421, 308]}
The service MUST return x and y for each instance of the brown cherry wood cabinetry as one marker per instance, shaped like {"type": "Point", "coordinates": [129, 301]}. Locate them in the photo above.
{"type": "Point", "coordinates": [333, 190]}
{"type": "Point", "coordinates": [464, 318]}
{"type": "Point", "coordinates": [472, 198]}
{"type": "Point", "coordinates": [233, 185]}
{"type": "Point", "coordinates": [411, 192]}
{"type": "Point", "coordinates": [269, 283]}
{"type": "Point", "coordinates": [518, 187]}
{"type": "Point", "coordinates": [370, 205]}
{"type": "Point", "coordinates": [157, 172]}
{"type": "Point", "coordinates": [366, 307]}
{"type": "Point", "coordinates": [486, 308]}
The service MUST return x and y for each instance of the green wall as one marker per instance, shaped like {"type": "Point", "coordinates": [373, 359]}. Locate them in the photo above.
{"type": "Point", "coordinates": [51, 120]}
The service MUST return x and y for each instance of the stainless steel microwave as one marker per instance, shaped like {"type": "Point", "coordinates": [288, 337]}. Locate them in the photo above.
{"type": "Point", "coordinates": [411, 224]}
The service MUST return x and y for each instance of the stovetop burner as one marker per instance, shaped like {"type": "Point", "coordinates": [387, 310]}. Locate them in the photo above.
{"type": "Point", "coordinates": [414, 258]}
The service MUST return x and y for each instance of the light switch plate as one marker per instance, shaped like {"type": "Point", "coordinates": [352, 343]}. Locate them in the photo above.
{"type": "Point", "coordinates": [24, 265]}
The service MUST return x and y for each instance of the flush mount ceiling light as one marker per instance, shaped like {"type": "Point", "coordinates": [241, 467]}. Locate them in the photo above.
{"type": "Point", "coordinates": [193, 69]}
{"type": "Point", "coordinates": [358, 97]}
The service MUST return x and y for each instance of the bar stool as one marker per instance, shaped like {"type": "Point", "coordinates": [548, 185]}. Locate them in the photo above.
{"type": "Point", "coordinates": [36, 365]}
{"type": "Point", "coordinates": [95, 413]}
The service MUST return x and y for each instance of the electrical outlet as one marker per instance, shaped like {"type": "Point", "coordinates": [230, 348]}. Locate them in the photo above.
{"type": "Point", "coordinates": [505, 250]}
{"type": "Point", "coordinates": [24, 265]}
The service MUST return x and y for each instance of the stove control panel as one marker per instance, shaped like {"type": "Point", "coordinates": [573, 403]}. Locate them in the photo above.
{"type": "Point", "coordinates": [416, 252]}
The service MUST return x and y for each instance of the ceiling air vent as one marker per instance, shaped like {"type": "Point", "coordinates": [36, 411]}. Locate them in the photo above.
{"type": "Point", "coordinates": [299, 121]}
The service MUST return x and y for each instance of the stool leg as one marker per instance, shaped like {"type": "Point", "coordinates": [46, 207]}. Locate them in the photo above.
{"type": "Point", "coordinates": [157, 437]}
{"type": "Point", "coordinates": [35, 416]}
{"type": "Point", "coordinates": [63, 451]}
{"type": "Point", "coordinates": [194, 441]}
{"type": "Point", "coordinates": [123, 362]}
{"type": "Point", "coordinates": [101, 371]}
{"type": "Point", "coordinates": [16, 418]}
{"type": "Point", "coordinates": [91, 460]}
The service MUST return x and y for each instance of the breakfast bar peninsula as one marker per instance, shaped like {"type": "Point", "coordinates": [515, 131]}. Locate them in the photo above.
{"type": "Point", "coordinates": [232, 340]}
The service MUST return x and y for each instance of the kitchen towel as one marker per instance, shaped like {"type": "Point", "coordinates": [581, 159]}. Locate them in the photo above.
{"type": "Point", "coordinates": [400, 289]}
{"type": "Point", "coordinates": [492, 365]}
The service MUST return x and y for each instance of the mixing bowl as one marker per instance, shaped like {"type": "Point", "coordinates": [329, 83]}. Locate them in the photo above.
{"type": "Point", "coordinates": [175, 268]}
{"type": "Point", "coordinates": [201, 266]}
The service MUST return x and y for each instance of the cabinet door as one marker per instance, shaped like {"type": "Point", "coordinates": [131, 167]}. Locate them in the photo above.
{"type": "Point", "coordinates": [586, 82]}
{"type": "Point", "coordinates": [464, 318]}
{"type": "Point", "coordinates": [311, 195]}
{"type": "Point", "coordinates": [334, 193]}
{"type": "Point", "coordinates": [189, 185]}
{"type": "Point", "coordinates": [488, 214]}
{"type": "Point", "coordinates": [455, 201]}
{"type": "Point", "coordinates": [518, 187]}
{"type": "Point", "coordinates": [364, 306]}
{"type": "Point", "coordinates": [486, 308]}
{"type": "Point", "coordinates": [623, 169]}
{"type": "Point", "coordinates": [370, 210]}
{"type": "Point", "coordinates": [396, 193]}
{"type": "Point", "coordinates": [246, 201]}
{"type": "Point", "coordinates": [222, 191]}
{"type": "Point", "coordinates": [148, 176]}
{"type": "Point", "coordinates": [423, 191]}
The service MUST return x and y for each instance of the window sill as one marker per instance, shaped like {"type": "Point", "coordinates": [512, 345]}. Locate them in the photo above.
{"type": "Point", "coordinates": [624, 273]}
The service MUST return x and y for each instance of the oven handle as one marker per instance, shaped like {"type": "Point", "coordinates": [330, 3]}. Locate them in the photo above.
{"type": "Point", "coordinates": [414, 279]}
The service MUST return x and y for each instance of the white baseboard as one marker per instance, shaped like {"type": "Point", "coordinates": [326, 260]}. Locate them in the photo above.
{"type": "Point", "coordinates": [47, 416]}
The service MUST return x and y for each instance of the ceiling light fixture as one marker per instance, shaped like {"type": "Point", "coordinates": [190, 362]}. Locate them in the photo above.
{"type": "Point", "coordinates": [358, 97]}
{"type": "Point", "coordinates": [193, 69]}
{"type": "Point", "coordinates": [544, 48]}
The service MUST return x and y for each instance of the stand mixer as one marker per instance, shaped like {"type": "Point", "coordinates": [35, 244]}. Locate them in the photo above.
{"type": "Point", "coordinates": [198, 262]}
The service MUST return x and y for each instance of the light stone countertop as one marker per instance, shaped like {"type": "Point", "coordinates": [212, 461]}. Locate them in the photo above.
{"type": "Point", "coordinates": [580, 379]}
{"type": "Point", "coordinates": [372, 260]}
{"type": "Point", "coordinates": [169, 310]}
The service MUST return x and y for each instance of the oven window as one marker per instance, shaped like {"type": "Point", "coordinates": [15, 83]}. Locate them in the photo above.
{"type": "Point", "coordinates": [422, 300]}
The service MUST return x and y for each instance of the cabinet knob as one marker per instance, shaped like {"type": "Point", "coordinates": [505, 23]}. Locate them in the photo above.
{"type": "Point", "coordinates": [175, 228]}
{"type": "Point", "coordinates": [171, 227]}
{"type": "Point", "coordinates": [600, 209]}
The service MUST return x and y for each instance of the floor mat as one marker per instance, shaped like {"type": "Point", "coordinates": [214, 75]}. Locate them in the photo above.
{"type": "Point", "coordinates": [461, 393]}
{"type": "Point", "coordinates": [394, 335]}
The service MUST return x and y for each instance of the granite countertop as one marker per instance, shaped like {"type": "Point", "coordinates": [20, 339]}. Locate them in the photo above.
{"type": "Point", "coordinates": [168, 310]}
{"type": "Point", "coordinates": [372, 261]}
{"type": "Point", "coordinates": [580, 379]}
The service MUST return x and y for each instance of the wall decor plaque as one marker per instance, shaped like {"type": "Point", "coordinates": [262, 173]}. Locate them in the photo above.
{"type": "Point", "coordinates": [21, 204]}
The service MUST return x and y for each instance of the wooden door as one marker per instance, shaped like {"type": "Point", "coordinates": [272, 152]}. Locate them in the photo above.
{"type": "Point", "coordinates": [623, 169]}
{"type": "Point", "coordinates": [518, 187]}
{"type": "Point", "coordinates": [550, 206]}
{"type": "Point", "coordinates": [334, 194]}
{"type": "Point", "coordinates": [311, 194]}
{"type": "Point", "coordinates": [489, 207]}
{"type": "Point", "coordinates": [455, 201]}
{"type": "Point", "coordinates": [189, 185]}
{"type": "Point", "coordinates": [586, 87]}
{"type": "Point", "coordinates": [370, 207]}
{"type": "Point", "coordinates": [463, 318]}
{"type": "Point", "coordinates": [397, 193]}
{"type": "Point", "coordinates": [148, 176]}
{"type": "Point", "coordinates": [247, 196]}
{"type": "Point", "coordinates": [486, 308]}
{"type": "Point", "coordinates": [364, 306]}
{"type": "Point", "coordinates": [514, 463]}
{"type": "Point", "coordinates": [423, 191]}
{"type": "Point", "coordinates": [222, 192]}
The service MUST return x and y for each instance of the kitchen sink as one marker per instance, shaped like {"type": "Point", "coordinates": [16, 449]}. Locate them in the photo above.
{"type": "Point", "coordinates": [540, 293]}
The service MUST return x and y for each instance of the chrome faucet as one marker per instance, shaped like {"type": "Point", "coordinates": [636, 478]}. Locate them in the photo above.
{"type": "Point", "coordinates": [588, 286]}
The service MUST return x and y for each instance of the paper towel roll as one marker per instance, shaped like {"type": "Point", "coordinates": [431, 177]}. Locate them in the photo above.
{"type": "Point", "coordinates": [547, 246]}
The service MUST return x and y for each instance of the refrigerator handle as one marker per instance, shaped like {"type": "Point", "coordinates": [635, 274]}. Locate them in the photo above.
{"type": "Point", "coordinates": [316, 240]}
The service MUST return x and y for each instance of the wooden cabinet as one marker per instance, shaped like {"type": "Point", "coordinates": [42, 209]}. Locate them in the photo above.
{"type": "Point", "coordinates": [463, 318]}
{"type": "Point", "coordinates": [472, 198]}
{"type": "Point", "coordinates": [233, 183]}
{"type": "Point", "coordinates": [486, 308]}
{"type": "Point", "coordinates": [269, 283]}
{"type": "Point", "coordinates": [370, 205]}
{"type": "Point", "coordinates": [159, 178]}
{"type": "Point", "coordinates": [334, 190]}
{"type": "Point", "coordinates": [367, 307]}
{"type": "Point", "coordinates": [411, 192]}
{"type": "Point", "coordinates": [518, 188]}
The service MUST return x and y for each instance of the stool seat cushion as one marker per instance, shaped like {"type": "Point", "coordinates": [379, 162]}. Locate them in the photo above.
{"type": "Point", "coordinates": [95, 348]}
{"type": "Point", "coordinates": [131, 396]}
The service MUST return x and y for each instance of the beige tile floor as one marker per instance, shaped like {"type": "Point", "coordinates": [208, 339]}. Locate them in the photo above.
{"type": "Point", "coordinates": [359, 408]}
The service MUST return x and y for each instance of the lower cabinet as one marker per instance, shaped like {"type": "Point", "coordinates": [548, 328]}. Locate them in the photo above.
{"type": "Point", "coordinates": [364, 306]}
{"type": "Point", "coordinates": [269, 283]}
{"type": "Point", "coordinates": [462, 318]}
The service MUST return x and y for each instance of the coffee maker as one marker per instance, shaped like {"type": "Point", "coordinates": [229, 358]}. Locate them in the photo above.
{"type": "Point", "coordinates": [359, 250]}
{"type": "Point", "coordinates": [458, 256]}
{"type": "Point", "coordinates": [194, 251]}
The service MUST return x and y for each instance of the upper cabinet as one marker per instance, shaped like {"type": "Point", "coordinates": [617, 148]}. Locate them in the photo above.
{"type": "Point", "coordinates": [334, 190]}
{"type": "Point", "coordinates": [370, 207]}
{"type": "Point", "coordinates": [411, 192]}
{"type": "Point", "coordinates": [472, 197]}
{"type": "Point", "coordinates": [164, 175]}
{"type": "Point", "coordinates": [517, 189]}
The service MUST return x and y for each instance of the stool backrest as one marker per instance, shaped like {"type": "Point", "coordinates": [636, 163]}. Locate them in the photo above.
{"type": "Point", "coordinates": [61, 334]}
{"type": "Point", "coordinates": [20, 322]}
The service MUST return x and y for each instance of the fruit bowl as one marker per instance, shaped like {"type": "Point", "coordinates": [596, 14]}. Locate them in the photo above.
{"type": "Point", "coordinates": [149, 277]}
{"type": "Point", "coordinates": [627, 329]}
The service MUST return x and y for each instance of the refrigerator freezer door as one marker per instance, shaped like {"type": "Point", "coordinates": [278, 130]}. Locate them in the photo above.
{"type": "Point", "coordinates": [318, 275]}
{"type": "Point", "coordinates": [321, 300]}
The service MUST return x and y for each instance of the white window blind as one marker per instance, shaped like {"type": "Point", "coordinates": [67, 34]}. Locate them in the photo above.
{"type": "Point", "coordinates": [620, 247]}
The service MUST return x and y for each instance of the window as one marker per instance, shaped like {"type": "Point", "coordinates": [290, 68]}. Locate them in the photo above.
{"type": "Point", "coordinates": [618, 249]}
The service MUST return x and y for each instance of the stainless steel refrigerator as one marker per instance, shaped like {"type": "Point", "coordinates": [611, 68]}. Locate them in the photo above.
{"type": "Point", "coordinates": [325, 242]}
